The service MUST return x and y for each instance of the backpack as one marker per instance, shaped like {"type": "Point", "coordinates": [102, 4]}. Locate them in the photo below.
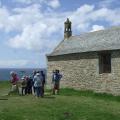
{"type": "Point", "coordinates": [38, 81]}
{"type": "Point", "coordinates": [23, 83]}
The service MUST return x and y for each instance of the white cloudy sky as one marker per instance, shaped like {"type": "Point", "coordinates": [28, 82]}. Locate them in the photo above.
{"type": "Point", "coordinates": [29, 29]}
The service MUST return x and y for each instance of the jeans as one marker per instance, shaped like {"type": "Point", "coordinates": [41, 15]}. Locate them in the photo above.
{"type": "Point", "coordinates": [38, 91]}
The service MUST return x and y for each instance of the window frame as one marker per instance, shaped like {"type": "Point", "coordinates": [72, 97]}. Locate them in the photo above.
{"type": "Point", "coordinates": [104, 62]}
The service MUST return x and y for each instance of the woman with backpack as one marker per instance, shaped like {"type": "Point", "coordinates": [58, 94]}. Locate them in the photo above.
{"type": "Point", "coordinates": [38, 85]}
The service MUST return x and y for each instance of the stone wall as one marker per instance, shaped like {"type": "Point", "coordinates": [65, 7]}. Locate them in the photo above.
{"type": "Point", "coordinates": [81, 71]}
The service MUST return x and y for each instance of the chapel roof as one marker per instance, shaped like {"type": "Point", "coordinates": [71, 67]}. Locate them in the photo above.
{"type": "Point", "coordinates": [108, 39]}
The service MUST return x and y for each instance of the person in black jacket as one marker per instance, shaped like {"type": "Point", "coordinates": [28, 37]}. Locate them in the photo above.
{"type": "Point", "coordinates": [29, 85]}
{"type": "Point", "coordinates": [43, 81]}
{"type": "Point", "coordinates": [33, 88]}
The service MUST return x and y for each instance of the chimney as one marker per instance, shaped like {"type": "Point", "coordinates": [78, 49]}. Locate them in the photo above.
{"type": "Point", "coordinates": [67, 29]}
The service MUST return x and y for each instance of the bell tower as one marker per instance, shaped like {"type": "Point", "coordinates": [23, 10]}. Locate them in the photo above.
{"type": "Point", "coordinates": [67, 29]}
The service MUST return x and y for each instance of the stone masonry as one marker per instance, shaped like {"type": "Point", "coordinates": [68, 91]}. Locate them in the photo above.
{"type": "Point", "coordinates": [81, 71]}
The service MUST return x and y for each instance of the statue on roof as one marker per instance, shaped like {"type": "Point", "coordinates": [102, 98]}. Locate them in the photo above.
{"type": "Point", "coordinates": [67, 25]}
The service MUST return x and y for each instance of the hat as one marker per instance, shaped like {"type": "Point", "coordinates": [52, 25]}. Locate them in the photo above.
{"type": "Point", "coordinates": [34, 71]}
{"type": "Point", "coordinates": [38, 74]}
{"type": "Point", "coordinates": [12, 72]}
{"type": "Point", "coordinates": [22, 78]}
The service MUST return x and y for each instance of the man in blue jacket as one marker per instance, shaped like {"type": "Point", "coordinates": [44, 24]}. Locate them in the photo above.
{"type": "Point", "coordinates": [56, 81]}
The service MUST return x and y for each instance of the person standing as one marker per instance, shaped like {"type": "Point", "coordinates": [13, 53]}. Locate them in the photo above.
{"type": "Point", "coordinates": [23, 85]}
{"type": "Point", "coordinates": [14, 80]}
{"type": "Point", "coordinates": [38, 85]}
{"type": "Point", "coordinates": [29, 85]}
{"type": "Point", "coordinates": [43, 82]}
{"type": "Point", "coordinates": [56, 81]}
{"type": "Point", "coordinates": [33, 88]}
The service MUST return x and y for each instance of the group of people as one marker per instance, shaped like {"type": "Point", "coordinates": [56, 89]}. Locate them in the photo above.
{"type": "Point", "coordinates": [35, 83]}
{"type": "Point", "coordinates": [28, 84]}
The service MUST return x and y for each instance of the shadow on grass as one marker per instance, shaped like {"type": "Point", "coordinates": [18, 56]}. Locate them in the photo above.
{"type": "Point", "coordinates": [49, 97]}
{"type": "Point", "coordinates": [3, 98]}
{"type": "Point", "coordinates": [88, 93]}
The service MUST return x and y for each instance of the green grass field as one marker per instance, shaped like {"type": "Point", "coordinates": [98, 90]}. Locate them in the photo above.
{"type": "Point", "coordinates": [69, 105]}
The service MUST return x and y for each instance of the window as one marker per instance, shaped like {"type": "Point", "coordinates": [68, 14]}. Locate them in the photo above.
{"type": "Point", "coordinates": [105, 63]}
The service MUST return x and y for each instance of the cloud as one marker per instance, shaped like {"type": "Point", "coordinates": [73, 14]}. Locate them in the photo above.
{"type": "Point", "coordinates": [23, 1]}
{"type": "Point", "coordinates": [51, 3]}
{"type": "Point", "coordinates": [22, 63]}
{"type": "Point", "coordinates": [112, 17]}
{"type": "Point", "coordinates": [97, 27]}
{"type": "Point", "coordinates": [54, 3]}
{"type": "Point", "coordinates": [42, 31]}
{"type": "Point", "coordinates": [36, 29]}
{"type": "Point", "coordinates": [13, 63]}
{"type": "Point", "coordinates": [34, 37]}
{"type": "Point", "coordinates": [19, 18]}
{"type": "Point", "coordinates": [0, 4]}
{"type": "Point", "coordinates": [4, 14]}
{"type": "Point", "coordinates": [108, 3]}
{"type": "Point", "coordinates": [80, 17]}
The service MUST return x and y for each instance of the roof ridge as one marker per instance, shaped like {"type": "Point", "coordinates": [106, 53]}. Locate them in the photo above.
{"type": "Point", "coordinates": [86, 33]}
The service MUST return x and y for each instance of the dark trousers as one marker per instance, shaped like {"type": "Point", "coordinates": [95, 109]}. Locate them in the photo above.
{"type": "Point", "coordinates": [43, 90]}
{"type": "Point", "coordinates": [29, 89]}
{"type": "Point", "coordinates": [38, 91]}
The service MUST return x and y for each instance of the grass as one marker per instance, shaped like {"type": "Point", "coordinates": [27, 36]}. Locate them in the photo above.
{"type": "Point", "coordinates": [69, 105]}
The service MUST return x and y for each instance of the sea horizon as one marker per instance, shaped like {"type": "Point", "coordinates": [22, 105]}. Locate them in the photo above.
{"type": "Point", "coordinates": [5, 72]}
